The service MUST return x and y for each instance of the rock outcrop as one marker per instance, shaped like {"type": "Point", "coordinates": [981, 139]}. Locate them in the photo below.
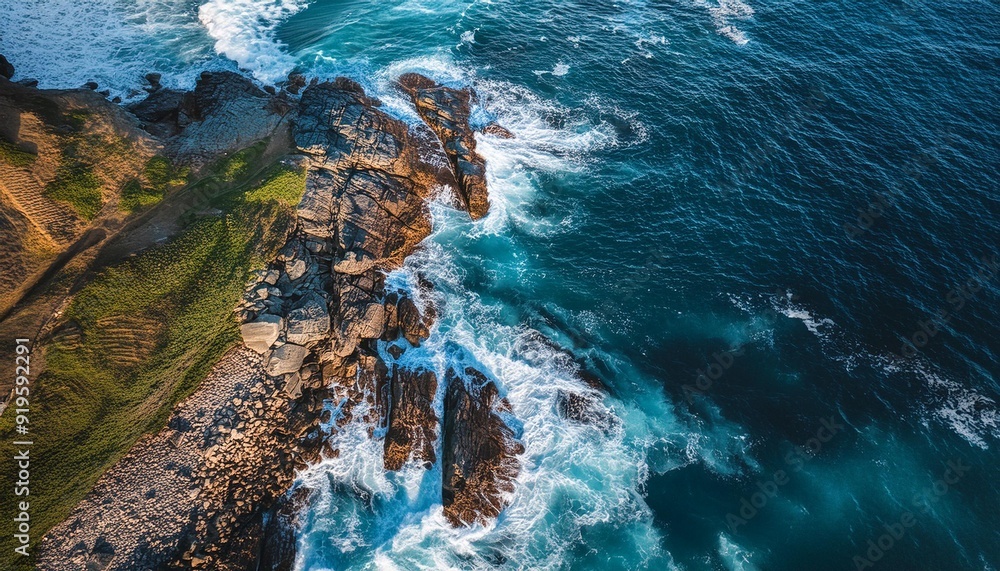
{"type": "Point", "coordinates": [447, 112]}
{"type": "Point", "coordinates": [224, 113]}
{"type": "Point", "coordinates": [479, 449]}
{"type": "Point", "coordinates": [412, 421]}
{"type": "Point", "coordinates": [6, 68]}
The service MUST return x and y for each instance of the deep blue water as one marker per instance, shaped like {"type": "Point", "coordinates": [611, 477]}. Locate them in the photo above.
{"type": "Point", "coordinates": [775, 193]}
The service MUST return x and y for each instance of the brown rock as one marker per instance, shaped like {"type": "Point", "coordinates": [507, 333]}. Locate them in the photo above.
{"type": "Point", "coordinates": [6, 68]}
{"type": "Point", "coordinates": [412, 421]}
{"type": "Point", "coordinates": [497, 131]}
{"type": "Point", "coordinates": [479, 464]}
{"type": "Point", "coordinates": [446, 111]}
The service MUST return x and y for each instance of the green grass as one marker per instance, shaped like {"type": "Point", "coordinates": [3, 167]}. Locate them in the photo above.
{"type": "Point", "coordinates": [76, 118]}
{"type": "Point", "coordinates": [160, 175]}
{"type": "Point", "coordinates": [136, 196]}
{"type": "Point", "coordinates": [14, 156]}
{"type": "Point", "coordinates": [77, 185]}
{"type": "Point", "coordinates": [240, 163]}
{"type": "Point", "coordinates": [174, 304]}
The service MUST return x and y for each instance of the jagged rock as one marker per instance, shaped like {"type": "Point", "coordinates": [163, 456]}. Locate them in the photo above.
{"type": "Point", "coordinates": [403, 318]}
{"type": "Point", "coordinates": [6, 68]}
{"type": "Point", "coordinates": [154, 80]}
{"type": "Point", "coordinates": [286, 359]}
{"type": "Point", "coordinates": [159, 111]}
{"type": "Point", "coordinates": [296, 81]}
{"type": "Point", "coordinates": [362, 315]}
{"type": "Point", "coordinates": [411, 322]}
{"type": "Point", "coordinates": [446, 111]}
{"type": "Point", "coordinates": [309, 321]}
{"type": "Point", "coordinates": [497, 131]}
{"type": "Point", "coordinates": [277, 551]}
{"type": "Point", "coordinates": [371, 175]}
{"type": "Point", "coordinates": [480, 451]}
{"type": "Point", "coordinates": [412, 421]}
{"type": "Point", "coordinates": [295, 268]}
{"type": "Point", "coordinates": [293, 385]}
{"type": "Point", "coordinates": [261, 333]}
{"type": "Point", "coordinates": [354, 263]}
{"type": "Point", "coordinates": [225, 112]}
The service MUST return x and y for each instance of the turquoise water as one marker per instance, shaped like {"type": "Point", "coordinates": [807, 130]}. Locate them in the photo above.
{"type": "Point", "coordinates": [775, 195]}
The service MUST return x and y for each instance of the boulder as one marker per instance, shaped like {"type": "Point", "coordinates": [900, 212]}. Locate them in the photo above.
{"type": "Point", "coordinates": [309, 321]}
{"type": "Point", "coordinates": [159, 111]}
{"type": "Point", "coordinates": [296, 268]}
{"type": "Point", "coordinates": [286, 359]}
{"type": "Point", "coordinates": [262, 332]}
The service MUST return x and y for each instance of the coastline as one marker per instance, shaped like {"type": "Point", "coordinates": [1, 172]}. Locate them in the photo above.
{"type": "Point", "coordinates": [314, 317]}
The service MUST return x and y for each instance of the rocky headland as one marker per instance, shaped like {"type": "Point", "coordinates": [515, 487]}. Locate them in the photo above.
{"type": "Point", "coordinates": [320, 330]}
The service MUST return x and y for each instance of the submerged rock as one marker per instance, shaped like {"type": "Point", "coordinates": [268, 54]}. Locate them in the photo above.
{"type": "Point", "coordinates": [497, 131]}
{"type": "Point", "coordinates": [585, 408]}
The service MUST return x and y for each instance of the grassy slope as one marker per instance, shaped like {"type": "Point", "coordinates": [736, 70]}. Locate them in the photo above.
{"type": "Point", "coordinates": [141, 337]}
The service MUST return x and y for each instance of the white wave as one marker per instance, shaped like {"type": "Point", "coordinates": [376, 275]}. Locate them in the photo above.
{"type": "Point", "coordinates": [954, 404]}
{"type": "Point", "coordinates": [725, 13]}
{"type": "Point", "coordinates": [968, 413]}
{"type": "Point", "coordinates": [548, 139]}
{"type": "Point", "coordinates": [559, 70]}
{"type": "Point", "coordinates": [573, 476]}
{"type": "Point", "coordinates": [734, 557]}
{"type": "Point", "coordinates": [244, 31]}
{"type": "Point", "coordinates": [66, 43]}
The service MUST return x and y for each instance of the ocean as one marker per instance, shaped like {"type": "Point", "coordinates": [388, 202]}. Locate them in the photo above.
{"type": "Point", "coordinates": [771, 228]}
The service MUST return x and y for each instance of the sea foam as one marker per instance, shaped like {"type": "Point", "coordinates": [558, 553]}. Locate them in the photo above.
{"type": "Point", "coordinates": [244, 31]}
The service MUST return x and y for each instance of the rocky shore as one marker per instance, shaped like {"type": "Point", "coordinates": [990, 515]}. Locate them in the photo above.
{"type": "Point", "coordinates": [212, 490]}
